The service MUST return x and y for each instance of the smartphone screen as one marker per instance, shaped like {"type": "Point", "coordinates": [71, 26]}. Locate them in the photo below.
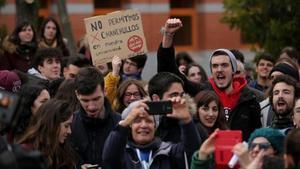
{"type": "Point", "coordinates": [160, 107]}
{"type": "Point", "coordinates": [225, 140]}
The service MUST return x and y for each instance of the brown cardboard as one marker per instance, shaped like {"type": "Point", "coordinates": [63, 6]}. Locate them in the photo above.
{"type": "Point", "coordinates": [118, 33]}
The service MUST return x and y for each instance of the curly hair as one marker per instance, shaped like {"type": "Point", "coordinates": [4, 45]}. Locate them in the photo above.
{"type": "Point", "coordinates": [118, 102]}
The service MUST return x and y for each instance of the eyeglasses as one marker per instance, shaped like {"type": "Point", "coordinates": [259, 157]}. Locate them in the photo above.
{"type": "Point", "coordinates": [134, 94]}
{"type": "Point", "coordinates": [261, 146]}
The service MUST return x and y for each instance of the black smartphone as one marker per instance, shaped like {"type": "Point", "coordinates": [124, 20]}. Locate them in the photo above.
{"type": "Point", "coordinates": [159, 107]}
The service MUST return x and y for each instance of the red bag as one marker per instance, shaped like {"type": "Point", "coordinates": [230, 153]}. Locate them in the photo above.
{"type": "Point", "coordinates": [225, 140]}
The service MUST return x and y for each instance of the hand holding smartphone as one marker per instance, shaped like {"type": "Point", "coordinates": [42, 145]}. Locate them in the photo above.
{"type": "Point", "coordinates": [162, 107]}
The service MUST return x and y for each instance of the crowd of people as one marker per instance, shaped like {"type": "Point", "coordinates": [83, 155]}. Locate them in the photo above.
{"type": "Point", "coordinates": [82, 116]}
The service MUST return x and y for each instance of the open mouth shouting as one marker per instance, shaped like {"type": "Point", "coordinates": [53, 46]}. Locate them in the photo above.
{"type": "Point", "coordinates": [281, 105]}
{"type": "Point", "coordinates": [221, 80]}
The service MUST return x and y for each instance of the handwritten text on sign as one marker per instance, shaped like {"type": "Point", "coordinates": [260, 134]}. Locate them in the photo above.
{"type": "Point", "coordinates": [119, 33]}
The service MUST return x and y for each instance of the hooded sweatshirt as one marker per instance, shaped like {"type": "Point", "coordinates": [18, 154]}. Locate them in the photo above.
{"type": "Point", "coordinates": [229, 100]}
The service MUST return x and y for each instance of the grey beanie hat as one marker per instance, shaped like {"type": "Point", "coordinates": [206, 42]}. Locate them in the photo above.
{"type": "Point", "coordinates": [231, 57]}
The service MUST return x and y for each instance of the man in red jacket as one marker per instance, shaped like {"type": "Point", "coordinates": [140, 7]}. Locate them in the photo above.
{"type": "Point", "coordinates": [241, 109]}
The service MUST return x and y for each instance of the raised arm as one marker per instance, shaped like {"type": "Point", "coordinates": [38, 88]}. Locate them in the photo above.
{"type": "Point", "coordinates": [112, 79]}
{"type": "Point", "coordinates": [169, 30]}
{"type": "Point", "coordinates": [166, 56]}
{"type": "Point", "coordinates": [190, 137]}
{"type": "Point", "coordinates": [166, 52]}
{"type": "Point", "coordinates": [115, 145]}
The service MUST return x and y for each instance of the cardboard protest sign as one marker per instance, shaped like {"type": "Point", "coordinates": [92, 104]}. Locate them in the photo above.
{"type": "Point", "coordinates": [118, 33]}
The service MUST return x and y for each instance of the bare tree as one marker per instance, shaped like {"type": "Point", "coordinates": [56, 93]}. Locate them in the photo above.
{"type": "Point", "coordinates": [27, 10]}
{"type": "Point", "coordinates": [64, 18]}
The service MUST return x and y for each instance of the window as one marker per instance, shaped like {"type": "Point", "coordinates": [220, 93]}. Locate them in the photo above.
{"type": "Point", "coordinates": [107, 3]}
{"type": "Point", "coordinates": [184, 35]}
{"type": "Point", "coordinates": [187, 37]}
{"type": "Point", "coordinates": [182, 3]}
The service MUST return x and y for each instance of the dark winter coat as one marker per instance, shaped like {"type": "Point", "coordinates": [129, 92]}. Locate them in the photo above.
{"type": "Point", "coordinates": [118, 153]}
{"type": "Point", "coordinates": [89, 134]}
{"type": "Point", "coordinates": [17, 56]}
{"type": "Point", "coordinates": [246, 114]}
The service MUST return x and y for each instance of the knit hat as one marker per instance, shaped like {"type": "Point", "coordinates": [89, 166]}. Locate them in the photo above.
{"type": "Point", "coordinates": [229, 54]}
{"type": "Point", "coordinates": [286, 69]}
{"type": "Point", "coordinates": [274, 136]}
{"type": "Point", "coordinates": [10, 81]}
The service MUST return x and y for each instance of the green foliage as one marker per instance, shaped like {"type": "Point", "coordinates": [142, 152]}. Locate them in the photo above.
{"type": "Point", "coordinates": [271, 24]}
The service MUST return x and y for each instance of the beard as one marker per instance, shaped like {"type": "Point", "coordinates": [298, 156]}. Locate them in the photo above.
{"type": "Point", "coordinates": [283, 112]}
{"type": "Point", "coordinates": [224, 87]}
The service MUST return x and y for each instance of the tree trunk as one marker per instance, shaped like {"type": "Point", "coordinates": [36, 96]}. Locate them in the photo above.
{"type": "Point", "coordinates": [27, 12]}
{"type": "Point", "coordinates": [67, 31]}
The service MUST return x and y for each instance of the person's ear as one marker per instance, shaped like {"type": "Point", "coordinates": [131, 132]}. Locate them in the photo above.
{"type": "Point", "coordinates": [40, 68]}
{"type": "Point", "coordinates": [155, 97]}
{"type": "Point", "coordinates": [140, 69]}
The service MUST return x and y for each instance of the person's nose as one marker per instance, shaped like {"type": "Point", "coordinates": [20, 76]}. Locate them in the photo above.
{"type": "Point", "coordinates": [256, 148]}
{"type": "Point", "coordinates": [91, 106]}
{"type": "Point", "coordinates": [131, 96]}
{"type": "Point", "coordinates": [69, 131]}
{"type": "Point", "coordinates": [143, 123]}
{"type": "Point", "coordinates": [210, 112]}
{"type": "Point", "coordinates": [56, 64]}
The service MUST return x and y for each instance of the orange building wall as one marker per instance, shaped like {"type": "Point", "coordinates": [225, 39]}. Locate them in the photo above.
{"type": "Point", "coordinates": [214, 34]}
{"type": "Point", "coordinates": [211, 33]}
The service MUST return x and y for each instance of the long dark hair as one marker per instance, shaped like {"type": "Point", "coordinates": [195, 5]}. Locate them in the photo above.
{"type": "Point", "coordinates": [43, 134]}
{"type": "Point", "coordinates": [28, 94]}
{"type": "Point", "coordinates": [202, 71]}
{"type": "Point", "coordinates": [58, 36]}
{"type": "Point", "coordinates": [292, 146]}
{"type": "Point", "coordinates": [66, 91]}
{"type": "Point", "coordinates": [14, 37]}
{"type": "Point", "coordinates": [183, 56]}
{"type": "Point", "coordinates": [118, 102]}
{"type": "Point", "coordinates": [203, 98]}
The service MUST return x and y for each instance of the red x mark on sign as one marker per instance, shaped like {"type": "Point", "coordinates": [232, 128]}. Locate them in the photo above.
{"type": "Point", "coordinates": [95, 37]}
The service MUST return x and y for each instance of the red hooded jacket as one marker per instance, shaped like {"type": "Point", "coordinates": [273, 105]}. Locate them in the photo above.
{"type": "Point", "coordinates": [229, 100]}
